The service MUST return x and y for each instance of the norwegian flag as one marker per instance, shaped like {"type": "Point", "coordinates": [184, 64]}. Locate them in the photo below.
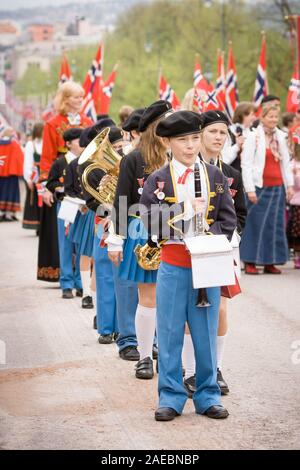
{"type": "Point", "coordinates": [65, 73]}
{"type": "Point", "coordinates": [167, 93]}
{"type": "Point", "coordinates": [198, 104]}
{"type": "Point", "coordinates": [220, 82]}
{"type": "Point", "coordinates": [293, 96]}
{"type": "Point", "coordinates": [92, 86]}
{"type": "Point", "coordinates": [231, 92]}
{"type": "Point", "coordinates": [106, 92]}
{"type": "Point", "coordinates": [200, 81]}
{"type": "Point", "coordinates": [211, 102]}
{"type": "Point", "coordinates": [261, 84]}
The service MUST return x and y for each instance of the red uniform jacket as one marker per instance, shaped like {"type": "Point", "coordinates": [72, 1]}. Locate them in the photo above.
{"type": "Point", "coordinates": [53, 142]}
{"type": "Point", "coordinates": [11, 159]}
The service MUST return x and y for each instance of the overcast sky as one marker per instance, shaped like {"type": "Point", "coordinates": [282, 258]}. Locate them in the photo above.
{"type": "Point", "coordinates": [15, 4]}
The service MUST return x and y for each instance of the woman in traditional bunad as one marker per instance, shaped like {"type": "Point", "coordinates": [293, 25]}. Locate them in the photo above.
{"type": "Point", "coordinates": [67, 103]}
{"type": "Point", "coordinates": [268, 183]}
{"type": "Point", "coordinates": [33, 201]}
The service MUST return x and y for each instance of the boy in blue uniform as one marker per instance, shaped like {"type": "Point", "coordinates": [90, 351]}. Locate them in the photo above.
{"type": "Point", "coordinates": [174, 185]}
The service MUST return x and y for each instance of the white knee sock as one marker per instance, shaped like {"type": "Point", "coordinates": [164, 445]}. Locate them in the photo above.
{"type": "Point", "coordinates": [188, 356]}
{"type": "Point", "coordinates": [220, 350]}
{"type": "Point", "coordinates": [145, 323]}
{"type": "Point", "coordinates": [86, 282]}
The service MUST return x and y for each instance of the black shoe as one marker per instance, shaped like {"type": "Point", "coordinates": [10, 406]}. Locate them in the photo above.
{"type": "Point", "coordinates": [190, 385]}
{"type": "Point", "coordinates": [144, 369]}
{"type": "Point", "coordinates": [155, 351]}
{"type": "Point", "coordinates": [222, 384]}
{"type": "Point", "coordinates": [67, 294]}
{"type": "Point", "coordinates": [87, 302]}
{"type": "Point", "coordinates": [130, 353]}
{"type": "Point", "coordinates": [216, 412]}
{"type": "Point", "coordinates": [105, 339]}
{"type": "Point", "coordinates": [116, 336]}
{"type": "Point", "coordinates": [95, 323]}
{"type": "Point", "coordinates": [79, 292]}
{"type": "Point", "coordinates": [165, 414]}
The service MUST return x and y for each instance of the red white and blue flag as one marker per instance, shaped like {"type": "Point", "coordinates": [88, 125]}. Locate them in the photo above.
{"type": "Point", "coordinates": [106, 92]}
{"type": "Point", "coordinates": [220, 82]}
{"type": "Point", "coordinates": [198, 104]}
{"type": "Point", "coordinates": [65, 73]}
{"type": "Point", "coordinates": [200, 81]}
{"type": "Point", "coordinates": [293, 96]}
{"type": "Point", "coordinates": [231, 92]}
{"type": "Point", "coordinates": [92, 86]}
{"type": "Point", "coordinates": [167, 93]}
{"type": "Point", "coordinates": [211, 102]}
{"type": "Point", "coordinates": [261, 84]}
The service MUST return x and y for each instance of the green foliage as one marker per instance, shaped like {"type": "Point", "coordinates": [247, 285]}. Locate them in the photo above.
{"type": "Point", "coordinates": [167, 34]}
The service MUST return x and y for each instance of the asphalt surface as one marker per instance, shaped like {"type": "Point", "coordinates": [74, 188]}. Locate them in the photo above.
{"type": "Point", "coordinates": [60, 389]}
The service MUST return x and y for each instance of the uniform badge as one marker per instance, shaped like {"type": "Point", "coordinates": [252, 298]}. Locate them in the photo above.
{"type": "Point", "coordinates": [141, 185]}
{"type": "Point", "coordinates": [230, 181]}
{"type": "Point", "coordinates": [219, 188]}
{"type": "Point", "coordinates": [159, 192]}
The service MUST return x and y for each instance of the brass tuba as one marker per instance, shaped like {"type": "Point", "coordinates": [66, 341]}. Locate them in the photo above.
{"type": "Point", "coordinates": [148, 257]}
{"type": "Point", "coordinates": [102, 156]}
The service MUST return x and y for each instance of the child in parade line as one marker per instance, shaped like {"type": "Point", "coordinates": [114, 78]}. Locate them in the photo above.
{"type": "Point", "coordinates": [136, 167]}
{"type": "Point", "coordinates": [32, 156]}
{"type": "Point", "coordinates": [69, 275]}
{"type": "Point", "coordinates": [174, 185]}
{"type": "Point", "coordinates": [268, 183]}
{"type": "Point", "coordinates": [11, 168]}
{"type": "Point", "coordinates": [214, 132]}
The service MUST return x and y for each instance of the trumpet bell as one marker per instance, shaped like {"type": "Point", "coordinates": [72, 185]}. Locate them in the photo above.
{"type": "Point", "coordinates": [148, 257]}
{"type": "Point", "coordinates": [101, 155]}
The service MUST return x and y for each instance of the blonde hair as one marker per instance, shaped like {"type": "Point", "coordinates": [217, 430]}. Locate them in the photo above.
{"type": "Point", "coordinates": [152, 148]}
{"type": "Point", "coordinates": [64, 92]}
{"type": "Point", "coordinates": [266, 108]}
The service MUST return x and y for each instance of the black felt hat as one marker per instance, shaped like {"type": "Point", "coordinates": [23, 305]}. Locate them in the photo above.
{"type": "Point", "coordinates": [72, 134]}
{"type": "Point", "coordinates": [179, 123]}
{"type": "Point", "coordinates": [115, 134]}
{"type": "Point", "coordinates": [153, 112]}
{"type": "Point", "coordinates": [133, 120]}
{"type": "Point", "coordinates": [213, 117]}
{"type": "Point", "coordinates": [90, 132]}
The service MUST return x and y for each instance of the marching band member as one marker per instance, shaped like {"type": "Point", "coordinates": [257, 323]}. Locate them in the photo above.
{"type": "Point", "coordinates": [131, 127]}
{"type": "Point", "coordinates": [81, 232]}
{"type": "Point", "coordinates": [214, 131]}
{"type": "Point", "coordinates": [68, 103]}
{"type": "Point", "coordinates": [32, 156]}
{"type": "Point", "coordinates": [136, 167]}
{"type": "Point", "coordinates": [69, 278]}
{"type": "Point", "coordinates": [174, 185]}
{"type": "Point", "coordinates": [268, 182]}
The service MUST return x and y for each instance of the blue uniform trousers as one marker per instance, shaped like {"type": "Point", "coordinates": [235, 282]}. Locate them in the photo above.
{"type": "Point", "coordinates": [176, 304]}
{"type": "Point", "coordinates": [69, 277]}
{"type": "Point", "coordinates": [127, 300]}
{"type": "Point", "coordinates": [105, 291]}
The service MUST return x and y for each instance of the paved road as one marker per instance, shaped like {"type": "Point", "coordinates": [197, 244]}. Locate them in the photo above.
{"type": "Point", "coordinates": [60, 389]}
